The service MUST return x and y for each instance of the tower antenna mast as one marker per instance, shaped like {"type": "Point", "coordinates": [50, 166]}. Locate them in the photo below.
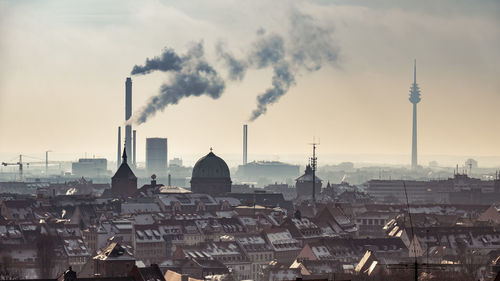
{"type": "Point", "coordinates": [414, 99]}
{"type": "Point", "coordinates": [314, 163]}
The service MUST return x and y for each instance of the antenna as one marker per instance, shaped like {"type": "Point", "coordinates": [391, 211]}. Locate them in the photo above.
{"type": "Point", "coordinates": [412, 231]}
{"type": "Point", "coordinates": [314, 162]}
{"type": "Point", "coordinates": [415, 71]}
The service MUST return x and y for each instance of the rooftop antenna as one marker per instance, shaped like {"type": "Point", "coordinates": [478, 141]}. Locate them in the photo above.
{"type": "Point", "coordinates": [314, 162]}
{"type": "Point", "coordinates": [412, 232]}
{"type": "Point", "coordinates": [415, 263]}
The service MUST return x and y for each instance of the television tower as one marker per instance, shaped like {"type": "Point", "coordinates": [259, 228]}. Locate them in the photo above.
{"type": "Point", "coordinates": [414, 99]}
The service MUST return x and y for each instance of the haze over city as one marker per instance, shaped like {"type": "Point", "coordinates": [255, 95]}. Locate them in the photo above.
{"type": "Point", "coordinates": [64, 63]}
{"type": "Point", "coordinates": [303, 140]}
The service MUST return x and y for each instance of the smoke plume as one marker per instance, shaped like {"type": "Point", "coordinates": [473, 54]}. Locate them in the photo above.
{"type": "Point", "coordinates": [283, 79]}
{"type": "Point", "coordinates": [236, 68]}
{"type": "Point", "coordinates": [305, 47]}
{"type": "Point", "coordinates": [168, 61]}
{"type": "Point", "coordinates": [192, 75]}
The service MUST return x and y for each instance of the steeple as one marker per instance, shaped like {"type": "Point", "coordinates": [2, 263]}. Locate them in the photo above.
{"type": "Point", "coordinates": [124, 155]}
{"type": "Point", "coordinates": [124, 182]}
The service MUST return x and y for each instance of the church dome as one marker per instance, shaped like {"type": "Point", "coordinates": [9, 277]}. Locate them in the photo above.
{"type": "Point", "coordinates": [210, 166]}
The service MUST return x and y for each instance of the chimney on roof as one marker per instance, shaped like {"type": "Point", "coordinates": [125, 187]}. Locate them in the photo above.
{"type": "Point", "coordinates": [184, 277]}
{"type": "Point", "coordinates": [153, 180]}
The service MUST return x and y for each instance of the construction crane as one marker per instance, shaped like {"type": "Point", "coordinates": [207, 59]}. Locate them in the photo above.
{"type": "Point", "coordinates": [19, 163]}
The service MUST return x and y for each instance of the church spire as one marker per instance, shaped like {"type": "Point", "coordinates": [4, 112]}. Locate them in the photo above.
{"type": "Point", "coordinates": [124, 155]}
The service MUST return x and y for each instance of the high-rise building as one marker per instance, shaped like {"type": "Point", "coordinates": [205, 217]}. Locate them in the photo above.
{"type": "Point", "coordinates": [414, 99]}
{"type": "Point", "coordinates": [156, 156]}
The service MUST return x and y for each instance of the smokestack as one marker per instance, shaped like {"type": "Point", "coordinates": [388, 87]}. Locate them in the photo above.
{"type": "Point", "coordinates": [245, 137]}
{"type": "Point", "coordinates": [133, 153]}
{"type": "Point", "coordinates": [118, 155]}
{"type": "Point", "coordinates": [128, 114]}
{"type": "Point", "coordinates": [169, 180]}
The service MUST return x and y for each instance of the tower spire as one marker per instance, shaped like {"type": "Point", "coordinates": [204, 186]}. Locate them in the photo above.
{"type": "Point", "coordinates": [124, 155]}
{"type": "Point", "coordinates": [415, 71]}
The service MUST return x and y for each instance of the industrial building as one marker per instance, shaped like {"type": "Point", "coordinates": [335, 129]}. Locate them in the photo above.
{"type": "Point", "coordinates": [156, 156]}
{"type": "Point", "coordinates": [271, 171]}
{"type": "Point", "coordinates": [90, 167]}
{"type": "Point", "coordinates": [461, 189]}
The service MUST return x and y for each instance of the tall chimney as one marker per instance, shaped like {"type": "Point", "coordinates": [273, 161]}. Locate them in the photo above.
{"type": "Point", "coordinates": [118, 156]}
{"type": "Point", "coordinates": [128, 114]}
{"type": "Point", "coordinates": [245, 137]}
{"type": "Point", "coordinates": [133, 153]}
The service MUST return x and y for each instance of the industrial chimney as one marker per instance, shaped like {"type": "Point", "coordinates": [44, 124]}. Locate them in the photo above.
{"type": "Point", "coordinates": [245, 137]}
{"type": "Point", "coordinates": [133, 153]}
{"type": "Point", "coordinates": [128, 114]}
{"type": "Point", "coordinates": [119, 157]}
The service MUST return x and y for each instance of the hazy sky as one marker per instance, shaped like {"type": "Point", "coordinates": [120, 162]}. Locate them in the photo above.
{"type": "Point", "coordinates": [63, 66]}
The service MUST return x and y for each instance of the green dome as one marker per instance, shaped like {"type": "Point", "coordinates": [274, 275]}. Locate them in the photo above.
{"type": "Point", "coordinates": [210, 166]}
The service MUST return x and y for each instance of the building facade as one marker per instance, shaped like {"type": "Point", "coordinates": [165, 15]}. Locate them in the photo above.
{"type": "Point", "coordinates": [156, 156]}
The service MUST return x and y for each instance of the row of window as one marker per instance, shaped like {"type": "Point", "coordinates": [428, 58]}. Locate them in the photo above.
{"type": "Point", "coordinates": [261, 257]}
{"type": "Point", "coordinates": [371, 221]}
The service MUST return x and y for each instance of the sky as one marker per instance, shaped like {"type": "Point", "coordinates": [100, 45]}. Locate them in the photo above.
{"type": "Point", "coordinates": [63, 66]}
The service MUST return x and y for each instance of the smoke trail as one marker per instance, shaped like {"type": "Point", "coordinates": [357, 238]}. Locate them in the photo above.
{"type": "Point", "coordinates": [168, 61]}
{"type": "Point", "coordinates": [311, 45]}
{"type": "Point", "coordinates": [267, 50]}
{"type": "Point", "coordinates": [237, 68]}
{"type": "Point", "coordinates": [306, 47]}
{"type": "Point", "coordinates": [283, 79]}
{"type": "Point", "coordinates": [192, 76]}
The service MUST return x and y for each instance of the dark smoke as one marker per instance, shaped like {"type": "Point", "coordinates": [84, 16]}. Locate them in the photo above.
{"type": "Point", "coordinates": [192, 76]}
{"type": "Point", "coordinates": [267, 50]}
{"type": "Point", "coordinates": [168, 61]}
{"type": "Point", "coordinates": [310, 47]}
{"type": "Point", "coordinates": [306, 47]}
{"type": "Point", "coordinates": [283, 79]}
{"type": "Point", "coordinates": [236, 68]}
